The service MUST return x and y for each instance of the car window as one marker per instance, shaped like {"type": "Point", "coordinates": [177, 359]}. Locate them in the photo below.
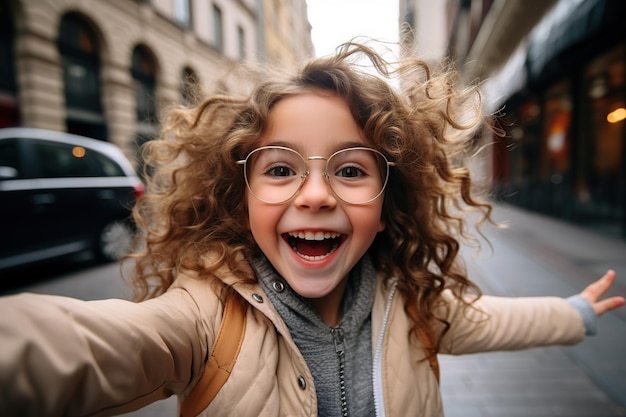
{"type": "Point", "coordinates": [108, 167]}
{"type": "Point", "coordinates": [57, 160]}
{"type": "Point", "coordinates": [9, 157]}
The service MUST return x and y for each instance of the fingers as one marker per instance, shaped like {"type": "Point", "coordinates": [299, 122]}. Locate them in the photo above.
{"type": "Point", "coordinates": [609, 304]}
{"type": "Point", "coordinates": [597, 289]}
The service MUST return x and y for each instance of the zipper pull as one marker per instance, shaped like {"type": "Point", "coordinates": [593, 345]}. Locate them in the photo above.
{"type": "Point", "coordinates": [339, 349]}
{"type": "Point", "coordinates": [338, 337]}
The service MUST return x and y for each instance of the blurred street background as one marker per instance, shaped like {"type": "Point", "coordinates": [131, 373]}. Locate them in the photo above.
{"type": "Point", "coordinates": [535, 255]}
{"type": "Point", "coordinates": [552, 72]}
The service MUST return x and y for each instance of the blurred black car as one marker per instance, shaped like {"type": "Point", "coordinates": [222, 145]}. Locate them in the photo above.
{"type": "Point", "coordinates": [62, 194]}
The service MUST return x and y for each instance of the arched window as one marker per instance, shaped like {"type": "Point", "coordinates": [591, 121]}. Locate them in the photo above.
{"type": "Point", "coordinates": [143, 69]}
{"type": "Point", "coordinates": [79, 51]}
{"type": "Point", "coordinates": [144, 78]}
{"type": "Point", "coordinates": [189, 86]}
{"type": "Point", "coordinates": [9, 108]}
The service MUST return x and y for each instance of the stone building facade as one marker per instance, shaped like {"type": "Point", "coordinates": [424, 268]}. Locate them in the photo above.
{"type": "Point", "coordinates": [107, 69]}
{"type": "Point", "coordinates": [286, 40]}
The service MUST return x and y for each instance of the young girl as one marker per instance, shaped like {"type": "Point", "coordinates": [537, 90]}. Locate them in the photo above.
{"type": "Point", "coordinates": [329, 201]}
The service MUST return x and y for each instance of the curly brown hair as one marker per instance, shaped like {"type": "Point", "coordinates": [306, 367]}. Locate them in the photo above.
{"type": "Point", "coordinates": [194, 217]}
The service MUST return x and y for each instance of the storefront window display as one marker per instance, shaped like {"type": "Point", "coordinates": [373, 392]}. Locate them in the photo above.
{"type": "Point", "coordinates": [604, 116]}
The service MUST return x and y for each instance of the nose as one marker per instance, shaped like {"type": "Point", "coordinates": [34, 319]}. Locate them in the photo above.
{"type": "Point", "coordinates": [315, 192]}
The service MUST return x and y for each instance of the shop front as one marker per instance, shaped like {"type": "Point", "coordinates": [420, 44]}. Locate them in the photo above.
{"type": "Point", "coordinates": [565, 128]}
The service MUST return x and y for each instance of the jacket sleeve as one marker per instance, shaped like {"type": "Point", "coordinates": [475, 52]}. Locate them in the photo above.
{"type": "Point", "coordinates": [502, 323]}
{"type": "Point", "coordinates": [62, 356]}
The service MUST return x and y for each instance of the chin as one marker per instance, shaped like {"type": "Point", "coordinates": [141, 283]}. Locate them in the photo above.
{"type": "Point", "coordinates": [312, 291]}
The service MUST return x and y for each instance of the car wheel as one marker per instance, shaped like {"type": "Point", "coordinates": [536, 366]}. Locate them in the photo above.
{"type": "Point", "coordinates": [114, 240]}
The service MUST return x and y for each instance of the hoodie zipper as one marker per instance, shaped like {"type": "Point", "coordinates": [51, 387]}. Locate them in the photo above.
{"type": "Point", "coordinates": [377, 368]}
{"type": "Point", "coordinates": [340, 350]}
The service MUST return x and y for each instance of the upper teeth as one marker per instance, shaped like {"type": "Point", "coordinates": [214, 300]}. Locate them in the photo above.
{"type": "Point", "coordinates": [314, 235]}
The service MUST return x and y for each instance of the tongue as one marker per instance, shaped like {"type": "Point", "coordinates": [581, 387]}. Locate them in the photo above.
{"type": "Point", "coordinates": [314, 247]}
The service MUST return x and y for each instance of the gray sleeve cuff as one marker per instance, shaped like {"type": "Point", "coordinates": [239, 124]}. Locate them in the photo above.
{"type": "Point", "coordinates": [586, 311]}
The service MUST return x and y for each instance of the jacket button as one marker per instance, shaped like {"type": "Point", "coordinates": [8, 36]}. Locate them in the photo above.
{"type": "Point", "coordinates": [278, 286]}
{"type": "Point", "coordinates": [301, 382]}
{"type": "Point", "coordinates": [257, 298]}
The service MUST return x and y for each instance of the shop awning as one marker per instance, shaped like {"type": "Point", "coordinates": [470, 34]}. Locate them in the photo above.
{"type": "Point", "coordinates": [509, 80]}
{"type": "Point", "coordinates": [567, 24]}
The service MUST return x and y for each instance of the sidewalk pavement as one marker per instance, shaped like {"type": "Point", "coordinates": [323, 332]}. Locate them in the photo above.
{"type": "Point", "coordinates": [534, 256]}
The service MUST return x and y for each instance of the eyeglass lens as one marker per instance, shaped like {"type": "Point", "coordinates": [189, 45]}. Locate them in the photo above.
{"type": "Point", "coordinates": [355, 175]}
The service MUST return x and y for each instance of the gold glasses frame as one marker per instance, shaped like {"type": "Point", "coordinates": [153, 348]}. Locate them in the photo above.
{"type": "Point", "coordinates": [304, 175]}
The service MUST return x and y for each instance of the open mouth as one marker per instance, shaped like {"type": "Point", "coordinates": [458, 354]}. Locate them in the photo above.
{"type": "Point", "coordinates": [314, 246]}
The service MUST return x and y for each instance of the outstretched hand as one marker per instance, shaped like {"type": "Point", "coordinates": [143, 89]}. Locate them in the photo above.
{"type": "Point", "coordinates": [597, 289]}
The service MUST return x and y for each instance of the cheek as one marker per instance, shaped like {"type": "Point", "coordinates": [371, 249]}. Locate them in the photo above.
{"type": "Point", "coordinates": [262, 221]}
{"type": "Point", "coordinates": [368, 221]}
{"type": "Point", "coordinates": [254, 214]}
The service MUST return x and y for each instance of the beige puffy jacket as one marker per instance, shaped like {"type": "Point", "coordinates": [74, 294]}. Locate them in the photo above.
{"type": "Point", "coordinates": [65, 357]}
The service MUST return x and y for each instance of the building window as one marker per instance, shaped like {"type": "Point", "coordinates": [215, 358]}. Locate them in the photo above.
{"type": "Point", "coordinates": [557, 131]}
{"type": "Point", "coordinates": [144, 79]}
{"type": "Point", "coordinates": [182, 13]}
{"type": "Point", "coordinates": [9, 107]}
{"type": "Point", "coordinates": [603, 148]}
{"type": "Point", "coordinates": [79, 50]}
{"type": "Point", "coordinates": [218, 29]}
{"type": "Point", "coordinates": [241, 43]}
{"type": "Point", "coordinates": [7, 61]}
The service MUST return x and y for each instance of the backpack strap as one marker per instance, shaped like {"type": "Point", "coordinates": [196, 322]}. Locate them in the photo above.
{"type": "Point", "coordinates": [223, 357]}
{"type": "Point", "coordinates": [434, 364]}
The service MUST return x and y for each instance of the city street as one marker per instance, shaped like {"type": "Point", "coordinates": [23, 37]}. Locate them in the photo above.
{"type": "Point", "coordinates": [534, 256]}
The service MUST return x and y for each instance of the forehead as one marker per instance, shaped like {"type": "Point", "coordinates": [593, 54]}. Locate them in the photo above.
{"type": "Point", "coordinates": [313, 122]}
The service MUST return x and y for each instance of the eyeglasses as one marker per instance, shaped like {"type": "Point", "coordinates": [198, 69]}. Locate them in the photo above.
{"type": "Point", "coordinates": [275, 174]}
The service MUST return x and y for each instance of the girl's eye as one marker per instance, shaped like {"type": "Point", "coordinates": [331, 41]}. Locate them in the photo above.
{"type": "Point", "coordinates": [280, 171]}
{"type": "Point", "coordinates": [350, 172]}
